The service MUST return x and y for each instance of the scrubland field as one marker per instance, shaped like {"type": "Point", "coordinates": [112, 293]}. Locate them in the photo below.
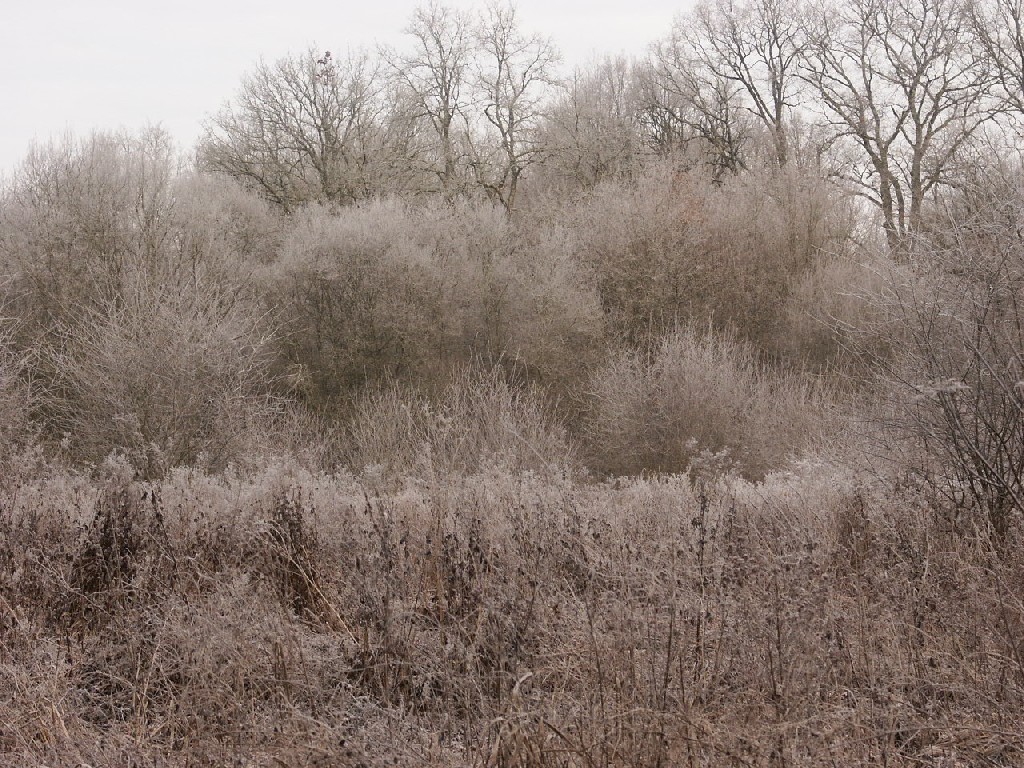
{"type": "Point", "coordinates": [425, 415]}
{"type": "Point", "coordinates": [502, 619]}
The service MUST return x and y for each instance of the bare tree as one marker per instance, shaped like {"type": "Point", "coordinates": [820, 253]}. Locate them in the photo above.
{"type": "Point", "coordinates": [303, 129]}
{"type": "Point", "coordinates": [683, 103]}
{"type": "Point", "coordinates": [755, 46]}
{"type": "Point", "coordinates": [591, 130]}
{"type": "Point", "coordinates": [432, 80]}
{"type": "Point", "coordinates": [513, 77]}
{"type": "Point", "coordinates": [906, 82]}
{"type": "Point", "coordinates": [999, 25]}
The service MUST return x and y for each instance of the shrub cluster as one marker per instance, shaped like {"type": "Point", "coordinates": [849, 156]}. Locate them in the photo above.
{"type": "Point", "coordinates": [171, 318]}
{"type": "Point", "coordinates": [390, 290]}
{"type": "Point", "coordinates": [696, 397]}
{"type": "Point", "coordinates": [165, 379]}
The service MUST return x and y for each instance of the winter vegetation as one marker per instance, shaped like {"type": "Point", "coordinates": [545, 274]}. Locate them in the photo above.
{"type": "Point", "coordinates": [446, 408]}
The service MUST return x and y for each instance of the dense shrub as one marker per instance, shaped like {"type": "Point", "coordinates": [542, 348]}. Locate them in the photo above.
{"type": "Point", "coordinates": [762, 236]}
{"type": "Point", "coordinates": [163, 377]}
{"type": "Point", "coordinates": [677, 248]}
{"type": "Point", "coordinates": [84, 223]}
{"type": "Point", "coordinates": [957, 378]}
{"type": "Point", "coordinates": [832, 321]}
{"type": "Point", "coordinates": [388, 290]}
{"type": "Point", "coordinates": [16, 432]}
{"type": "Point", "coordinates": [640, 242]}
{"type": "Point", "coordinates": [80, 219]}
{"type": "Point", "coordinates": [220, 231]}
{"type": "Point", "coordinates": [698, 400]}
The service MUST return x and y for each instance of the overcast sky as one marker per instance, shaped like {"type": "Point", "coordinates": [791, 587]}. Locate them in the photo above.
{"type": "Point", "coordinates": [76, 65]}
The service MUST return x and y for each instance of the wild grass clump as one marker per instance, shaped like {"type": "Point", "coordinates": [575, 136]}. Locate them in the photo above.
{"type": "Point", "coordinates": [695, 398]}
{"type": "Point", "coordinates": [481, 420]}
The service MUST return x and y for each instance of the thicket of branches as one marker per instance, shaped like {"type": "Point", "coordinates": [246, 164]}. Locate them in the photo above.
{"type": "Point", "coordinates": [779, 197]}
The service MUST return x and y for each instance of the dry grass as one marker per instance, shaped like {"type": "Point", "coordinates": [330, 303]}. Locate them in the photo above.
{"type": "Point", "coordinates": [480, 420]}
{"type": "Point", "coordinates": [295, 619]}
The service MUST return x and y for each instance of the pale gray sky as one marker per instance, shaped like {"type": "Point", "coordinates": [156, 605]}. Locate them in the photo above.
{"type": "Point", "coordinates": [78, 65]}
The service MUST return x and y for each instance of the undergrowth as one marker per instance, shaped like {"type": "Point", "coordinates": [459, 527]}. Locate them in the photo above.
{"type": "Point", "coordinates": [290, 618]}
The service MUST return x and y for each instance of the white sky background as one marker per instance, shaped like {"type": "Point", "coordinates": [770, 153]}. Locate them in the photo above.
{"type": "Point", "coordinates": [78, 65]}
